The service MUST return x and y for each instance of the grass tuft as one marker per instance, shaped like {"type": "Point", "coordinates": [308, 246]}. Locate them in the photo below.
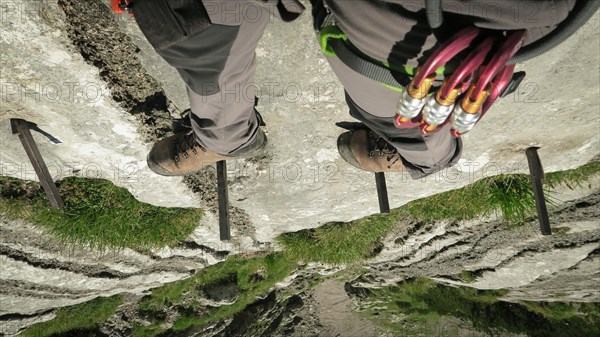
{"type": "Point", "coordinates": [97, 213]}
{"type": "Point", "coordinates": [419, 306]}
{"type": "Point", "coordinates": [422, 302]}
{"type": "Point", "coordinates": [336, 243]}
{"type": "Point", "coordinates": [513, 196]}
{"type": "Point", "coordinates": [574, 178]}
{"type": "Point", "coordinates": [468, 276]}
{"type": "Point", "coordinates": [509, 195]}
{"type": "Point", "coordinates": [183, 294]}
{"type": "Point", "coordinates": [78, 317]}
{"type": "Point", "coordinates": [553, 310]}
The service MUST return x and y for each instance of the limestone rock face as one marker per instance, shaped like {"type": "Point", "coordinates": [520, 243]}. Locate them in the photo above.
{"type": "Point", "coordinates": [39, 274]}
{"type": "Point", "coordinates": [47, 81]}
{"type": "Point", "coordinates": [302, 182]}
{"type": "Point", "coordinates": [90, 80]}
{"type": "Point", "coordinates": [532, 266]}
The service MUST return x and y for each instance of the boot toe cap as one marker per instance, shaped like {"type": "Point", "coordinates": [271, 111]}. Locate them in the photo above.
{"type": "Point", "coordinates": [345, 149]}
{"type": "Point", "coordinates": [155, 167]}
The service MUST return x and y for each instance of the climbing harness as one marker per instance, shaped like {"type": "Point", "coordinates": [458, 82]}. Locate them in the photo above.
{"type": "Point", "coordinates": [469, 90]}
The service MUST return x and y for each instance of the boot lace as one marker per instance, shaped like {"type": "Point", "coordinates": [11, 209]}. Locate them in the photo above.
{"type": "Point", "coordinates": [184, 144]}
{"type": "Point", "coordinates": [380, 147]}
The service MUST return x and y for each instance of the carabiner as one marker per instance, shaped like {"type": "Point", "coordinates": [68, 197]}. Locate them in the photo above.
{"type": "Point", "coordinates": [413, 97]}
{"type": "Point", "coordinates": [439, 107]}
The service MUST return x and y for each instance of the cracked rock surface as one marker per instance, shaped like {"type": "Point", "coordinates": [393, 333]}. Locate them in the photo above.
{"type": "Point", "coordinates": [561, 267]}
{"type": "Point", "coordinates": [88, 78]}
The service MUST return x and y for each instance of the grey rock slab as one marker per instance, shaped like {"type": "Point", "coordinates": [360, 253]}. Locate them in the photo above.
{"type": "Point", "coordinates": [305, 183]}
{"type": "Point", "coordinates": [525, 270]}
{"type": "Point", "coordinates": [12, 327]}
{"type": "Point", "coordinates": [54, 88]}
{"type": "Point", "coordinates": [561, 267]}
{"type": "Point", "coordinates": [576, 284]}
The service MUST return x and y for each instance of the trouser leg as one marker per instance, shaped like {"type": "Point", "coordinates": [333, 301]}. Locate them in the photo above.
{"type": "Point", "coordinates": [218, 66]}
{"type": "Point", "coordinates": [375, 106]}
{"type": "Point", "coordinates": [226, 121]}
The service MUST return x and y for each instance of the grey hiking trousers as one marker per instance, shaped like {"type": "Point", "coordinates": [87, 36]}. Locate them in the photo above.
{"type": "Point", "coordinates": [215, 57]}
{"type": "Point", "coordinates": [214, 53]}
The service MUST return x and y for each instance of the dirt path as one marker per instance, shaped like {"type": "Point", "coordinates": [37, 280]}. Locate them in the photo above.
{"type": "Point", "coordinates": [334, 312]}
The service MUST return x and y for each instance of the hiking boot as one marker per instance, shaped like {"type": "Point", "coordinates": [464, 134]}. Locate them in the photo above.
{"type": "Point", "coordinates": [368, 151]}
{"type": "Point", "coordinates": [180, 154]}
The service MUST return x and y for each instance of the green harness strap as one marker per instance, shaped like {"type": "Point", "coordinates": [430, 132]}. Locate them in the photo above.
{"type": "Point", "coordinates": [330, 32]}
{"type": "Point", "coordinates": [336, 44]}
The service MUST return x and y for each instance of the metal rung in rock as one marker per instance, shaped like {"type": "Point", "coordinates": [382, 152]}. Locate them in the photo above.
{"type": "Point", "coordinates": [382, 194]}
{"type": "Point", "coordinates": [224, 228]}
{"type": "Point", "coordinates": [537, 174]}
{"type": "Point", "coordinates": [21, 127]}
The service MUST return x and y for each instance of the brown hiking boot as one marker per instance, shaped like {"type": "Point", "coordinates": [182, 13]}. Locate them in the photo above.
{"type": "Point", "coordinates": [366, 150]}
{"type": "Point", "coordinates": [180, 154]}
